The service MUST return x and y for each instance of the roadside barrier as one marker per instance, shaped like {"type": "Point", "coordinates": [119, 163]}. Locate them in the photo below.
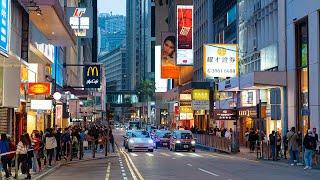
{"type": "Point", "coordinates": [215, 142]}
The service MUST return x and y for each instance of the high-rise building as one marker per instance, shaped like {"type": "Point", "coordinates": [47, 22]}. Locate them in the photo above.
{"type": "Point", "coordinates": [112, 31]}
{"type": "Point", "coordinates": [138, 41]}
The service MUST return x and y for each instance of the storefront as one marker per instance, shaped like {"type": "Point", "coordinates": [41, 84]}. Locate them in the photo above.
{"type": "Point", "coordinates": [201, 108]}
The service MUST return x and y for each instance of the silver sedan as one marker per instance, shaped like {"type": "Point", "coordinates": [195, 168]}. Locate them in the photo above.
{"type": "Point", "coordinates": [140, 140]}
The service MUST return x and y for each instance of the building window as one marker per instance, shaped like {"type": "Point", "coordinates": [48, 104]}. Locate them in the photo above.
{"type": "Point", "coordinates": [302, 61]}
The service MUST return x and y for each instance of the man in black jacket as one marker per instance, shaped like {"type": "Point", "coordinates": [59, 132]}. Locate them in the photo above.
{"type": "Point", "coordinates": [310, 145]}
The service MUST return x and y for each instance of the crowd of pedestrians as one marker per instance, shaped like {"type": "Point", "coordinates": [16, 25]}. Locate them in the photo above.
{"type": "Point", "coordinates": [42, 149]}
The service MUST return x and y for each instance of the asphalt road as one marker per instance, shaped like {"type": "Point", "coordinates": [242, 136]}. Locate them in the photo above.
{"type": "Point", "coordinates": [163, 164]}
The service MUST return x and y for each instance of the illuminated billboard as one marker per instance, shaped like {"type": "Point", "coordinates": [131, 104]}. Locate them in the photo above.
{"type": "Point", "coordinates": [185, 35]}
{"type": "Point", "coordinates": [161, 84]}
{"type": "Point", "coordinates": [169, 70]}
{"type": "Point", "coordinates": [220, 61]}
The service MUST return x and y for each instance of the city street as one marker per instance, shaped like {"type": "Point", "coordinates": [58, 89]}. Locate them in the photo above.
{"type": "Point", "coordinates": [163, 164]}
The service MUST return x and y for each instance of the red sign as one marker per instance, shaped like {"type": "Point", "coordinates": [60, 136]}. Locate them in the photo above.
{"type": "Point", "coordinates": [39, 88]}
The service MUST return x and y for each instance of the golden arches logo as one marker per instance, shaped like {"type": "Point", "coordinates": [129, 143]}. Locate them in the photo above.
{"type": "Point", "coordinates": [222, 51]}
{"type": "Point", "coordinates": [93, 70]}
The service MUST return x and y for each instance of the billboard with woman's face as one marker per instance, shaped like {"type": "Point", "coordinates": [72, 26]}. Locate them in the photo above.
{"type": "Point", "coordinates": [169, 70]}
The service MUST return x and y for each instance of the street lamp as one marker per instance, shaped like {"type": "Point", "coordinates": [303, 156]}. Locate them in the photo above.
{"type": "Point", "coordinates": [56, 97]}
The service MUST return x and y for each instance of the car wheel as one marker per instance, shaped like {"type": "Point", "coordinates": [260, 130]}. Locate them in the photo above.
{"type": "Point", "coordinates": [129, 150]}
{"type": "Point", "coordinates": [150, 150]}
{"type": "Point", "coordinates": [175, 149]}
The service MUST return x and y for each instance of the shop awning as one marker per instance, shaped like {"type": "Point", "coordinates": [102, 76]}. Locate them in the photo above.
{"type": "Point", "coordinates": [254, 80]}
{"type": "Point", "coordinates": [51, 21]}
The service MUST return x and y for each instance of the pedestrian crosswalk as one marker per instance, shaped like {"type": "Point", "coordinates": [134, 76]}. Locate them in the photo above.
{"type": "Point", "coordinates": [175, 155]}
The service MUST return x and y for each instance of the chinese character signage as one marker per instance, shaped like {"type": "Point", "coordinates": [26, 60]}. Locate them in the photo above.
{"type": "Point", "coordinates": [169, 70]}
{"type": "Point", "coordinates": [39, 88]}
{"type": "Point", "coordinates": [161, 84]}
{"type": "Point", "coordinates": [200, 94]}
{"type": "Point", "coordinates": [220, 61]}
{"type": "Point", "coordinates": [4, 26]}
{"type": "Point", "coordinates": [225, 114]}
{"type": "Point", "coordinates": [80, 20]}
{"type": "Point", "coordinates": [184, 35]}
{"type": "Point", "coordinates": [91, 76]}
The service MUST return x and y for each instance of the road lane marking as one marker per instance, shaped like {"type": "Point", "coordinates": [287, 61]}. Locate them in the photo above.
{"type": "Point", "coordinates": [133, 154]}
{"type": "Point", "coordinates": [189, 165]}
{"type": "Point", "coordinates": [173, 158]}
{"type": "Point", "coordinates": [165, 154]}
{"type": "Point", "coordinates": [134, 167]}
{"type": "Point", "coordinates": [197, 155]}
{"type": "Point", "coordinates": [108, 171]}
{"type": "Point", "coordinates": [129, 166]}
{"type": "Point", "coordinates": [149, 154]}
{"type": "Point", "coordinates": [180, 154]}
{"type": "Point", "coordinates": [212, 155]}
{"type": "Point", "coordinates": [122, 170]}
{"type": "Point", "coordinates": [208, 172]}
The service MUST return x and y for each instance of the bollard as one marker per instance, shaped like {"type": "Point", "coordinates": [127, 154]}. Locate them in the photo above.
{"type": "Point", "coordinates": [16, 167]}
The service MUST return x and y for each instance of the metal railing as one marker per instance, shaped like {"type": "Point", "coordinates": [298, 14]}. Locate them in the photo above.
{"type": "Point", "coordinates": [215, 142]}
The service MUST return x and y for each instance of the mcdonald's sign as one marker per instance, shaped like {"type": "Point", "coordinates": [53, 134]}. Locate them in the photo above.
{"type": "Point", "coordinates": [91, 76]}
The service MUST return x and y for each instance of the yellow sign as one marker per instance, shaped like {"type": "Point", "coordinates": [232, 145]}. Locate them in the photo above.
{"type": "Point", "coordinates": [200, 94]}
{"type": "Point", "coordinates": [185, 97]}
{"type": "Point", "coordinates": [93, 70]}
{"type": "Point", "coordinates": [186, 109]}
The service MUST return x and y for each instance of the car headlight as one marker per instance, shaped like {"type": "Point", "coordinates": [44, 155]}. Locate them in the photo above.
{"type": "Point", "coordinates": [193, 142]}
{"type": "Point", "coordinates": [150, 141]}
{"type": "Point", "coordinates": [131, 141]}
{"type": "Point", "coordinates": [178, 141]}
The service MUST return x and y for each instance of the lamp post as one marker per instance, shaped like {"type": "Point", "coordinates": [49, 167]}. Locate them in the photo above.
{"type": "Point", "coordinates": [56, 97]}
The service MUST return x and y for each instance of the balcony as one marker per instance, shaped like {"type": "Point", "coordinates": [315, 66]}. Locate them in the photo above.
{"type": "Point", "coordinates": [49, 17]}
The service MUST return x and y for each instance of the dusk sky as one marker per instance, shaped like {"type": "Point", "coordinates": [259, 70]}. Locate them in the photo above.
{"type": "Point", "coordinates": [114, 6]}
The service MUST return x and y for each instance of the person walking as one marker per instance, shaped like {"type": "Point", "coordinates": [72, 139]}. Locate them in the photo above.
{"type": "Point", "coordinates": [272, 139]}
{"type": "Point", "coordinates": [36, 143]}
{"type": "Point", "coordinates": [252, 140]}
{"type": "Point", "coordinates": [111, 139]}
{"type": "Point", "coordinates": [22, 155]}
{"type": "Point", "coordinates": [310, 145]}
{"type": "Point", "coordinates": [12, 147]}
{"type": "Point", "coordinates": [285, 145]}
{"type": "Point", "coordinates": [4, 148]}
{"type": "Point", "coordinates": [51, 143]}
{"type": "Point", "coordinates": [293, 146]}
{"type": "Point", "coordinates": [278, 146]}
{"type": "Point", "coordinates": [58, 149]}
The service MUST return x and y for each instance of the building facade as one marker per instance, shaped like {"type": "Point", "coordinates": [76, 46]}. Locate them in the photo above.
{"type": "Point", "coordinates": [302, 32]}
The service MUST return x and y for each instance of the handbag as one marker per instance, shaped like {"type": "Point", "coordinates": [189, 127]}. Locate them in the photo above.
{"type": "Point", "coordinates": [85, 144]}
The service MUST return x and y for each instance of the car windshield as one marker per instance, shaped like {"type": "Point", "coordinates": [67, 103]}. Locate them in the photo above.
{"type": "Point", "coordinates": [184, 135]}
{"type": "Point", "coordinates": [140, 134]}
{"type": "Point", "coordinates": [163, 134]}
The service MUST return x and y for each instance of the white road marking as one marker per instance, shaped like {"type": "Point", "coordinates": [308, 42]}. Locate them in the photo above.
{"type": "Point", "coordinates": [124, 174]}
{"type": "Point", "coordinates": [133, 166]}
{"type": "Point", "coordinates": [122, 167]}
{"type": "Point", "coordinates": [125, 178]}
{"type": "Point", "coordinates": [208, 172]}
{"type": "Point", "coordinates": [197, 155]}
{"type": "Point", "coordinates": [180, 154]}
{"type": "Point", "coordinates": [108, 171]}
{"type": "Point", "coordinates": [165, 154]}
{"type": "Point", "coordinates": [189, 165]}
{"type": "Point", "coordinates": [173, 158]}
{"type": "Point", "coordinates": [122, 170]}
{"type": "Point", "coordinates": [133, 154]}
{"type": "Point", "coordinates": [149, 154]}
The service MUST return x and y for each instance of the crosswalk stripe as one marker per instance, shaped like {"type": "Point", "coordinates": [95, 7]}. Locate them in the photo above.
{"type": "Point", "coordinates": [197, 155]}
{"type": "Point", "coordinates": [165, 154]}
{"type": "Point", "coordinates": [180, 154]}
{"type": "Point", "coordinates": [149, 154]}
{"type": "Point", "coordinates": [133, 154]}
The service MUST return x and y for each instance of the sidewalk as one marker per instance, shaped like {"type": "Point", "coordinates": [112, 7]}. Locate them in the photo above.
{"type": "Point", "coordinates": [57, 164]}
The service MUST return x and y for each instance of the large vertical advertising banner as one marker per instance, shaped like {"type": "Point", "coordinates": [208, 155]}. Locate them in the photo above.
{"type": "Point", "coordinates": [220, 60]}
{"type": "Point", "coordinates": [169, 70]}
{"type": "Point", "coordinates": [4, 26]}
{"type": "Point", "coordinates": [80, 20]}
{"type": "Point", "coordinates": [161, 84]}
{"type": "Point", "coordinates": [184, 35]}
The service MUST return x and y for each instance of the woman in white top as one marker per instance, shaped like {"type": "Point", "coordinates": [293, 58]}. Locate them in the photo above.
{"type": "Point", "coordinates": [22, 154]}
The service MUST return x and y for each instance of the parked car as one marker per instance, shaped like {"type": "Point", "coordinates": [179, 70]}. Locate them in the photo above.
{"type": "Point", "coordinates": [182, 140]}
{"type": "Point", "coordinates": [140, 140]}
{"type": "Point", "coordinates": [162, 138]}
{"type": "Point", "coordinates": [126, 138]}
